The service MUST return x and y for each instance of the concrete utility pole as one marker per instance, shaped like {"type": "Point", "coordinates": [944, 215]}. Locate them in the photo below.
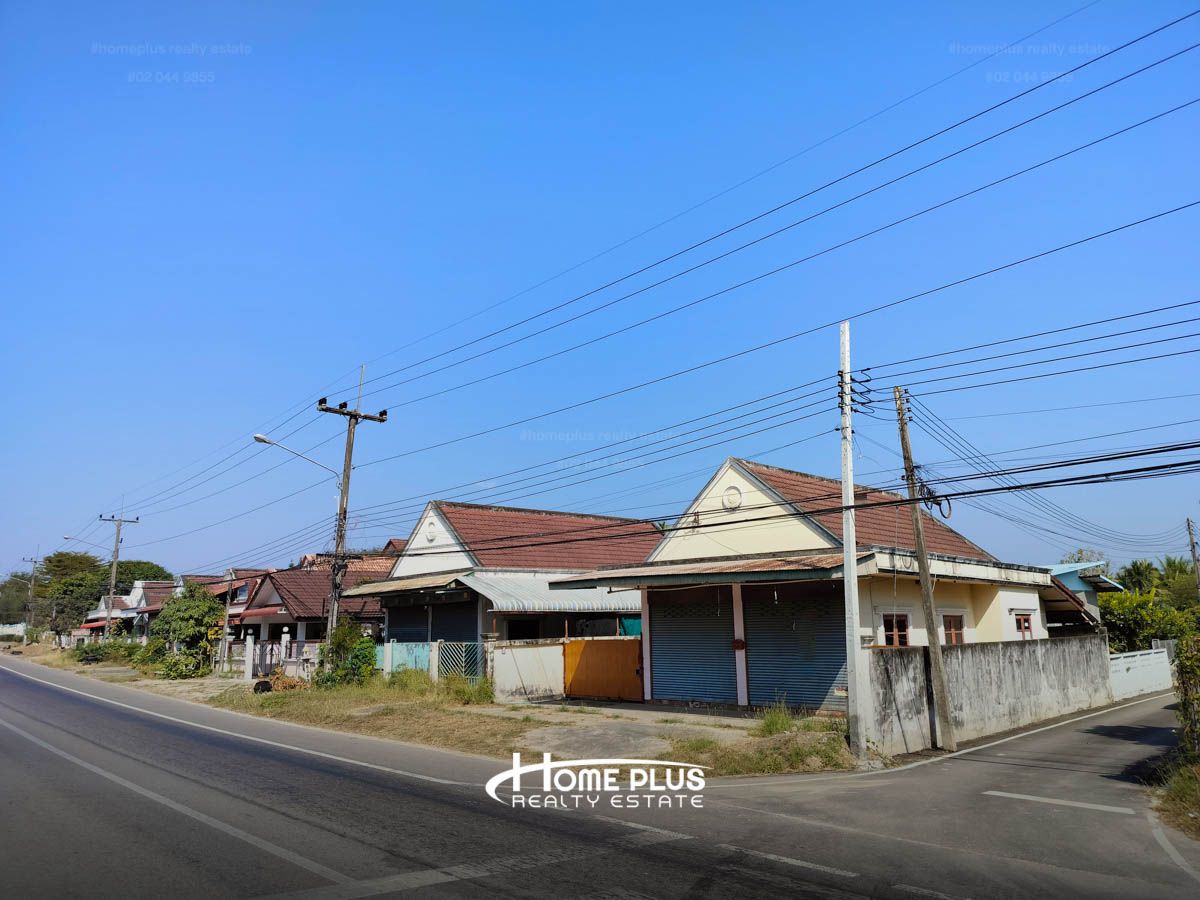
{"type": "Point", "coordinates": [858, 688]}
{"type": "Point", "coordinates": [941, 697]}
{"type": "Point", "coordinates": [353, 417]}
{"type": "Point", "coordinates": [33, 580]}
{"type": "Point", "coordinates": [1195, 559]}
{"type": "Point", "coordinates": [112, 572]}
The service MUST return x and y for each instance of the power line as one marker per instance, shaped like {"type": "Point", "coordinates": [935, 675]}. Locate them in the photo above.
{"type": "Point", "coordinates": [800, 197]}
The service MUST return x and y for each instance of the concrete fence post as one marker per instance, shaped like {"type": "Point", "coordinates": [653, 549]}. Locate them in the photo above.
{"type": "Point", "coordinates": [248, 662]}
{"type": "Point", "coordinates": [388, 653]}
{"type": "Point", "coordinates": [435, 659]}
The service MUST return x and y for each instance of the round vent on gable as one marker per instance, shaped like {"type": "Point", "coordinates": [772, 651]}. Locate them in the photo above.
{"type": "Point", "coordinates": [732, 497]}
{"type": "Point", "coordinates": [430, 534]}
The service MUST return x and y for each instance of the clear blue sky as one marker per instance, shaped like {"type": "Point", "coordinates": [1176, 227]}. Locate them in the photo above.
{"type": "Point", "coordinates": [214, 212]}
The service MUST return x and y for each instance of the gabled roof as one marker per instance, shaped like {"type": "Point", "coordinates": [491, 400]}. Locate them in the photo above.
{"type": "Point", "coordinates": [157, 591]}
{"type": "Point", "coordinates": [889, 526]}
{"type": "Point", "coordinates": [395, 545]}
{"type": "Point", "coordinates": [305, 590]}
{"type": "Point", "coordinates": [506, 536]}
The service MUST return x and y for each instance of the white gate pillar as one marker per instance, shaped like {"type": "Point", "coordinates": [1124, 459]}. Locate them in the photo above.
{"type": "Point", "coordinates": [248, 662]}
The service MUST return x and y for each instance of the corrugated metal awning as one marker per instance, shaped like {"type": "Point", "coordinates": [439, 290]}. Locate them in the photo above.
{"type": "Point", "coordinates": [409, 583]}
{"type": "Point", "coordinates": [530, 593]}
{"type": "Point", "coordinates": [724, 570]}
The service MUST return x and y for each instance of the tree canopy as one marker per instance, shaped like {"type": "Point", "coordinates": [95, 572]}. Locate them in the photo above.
{"type": "Point", "coordinates": [188, 618]}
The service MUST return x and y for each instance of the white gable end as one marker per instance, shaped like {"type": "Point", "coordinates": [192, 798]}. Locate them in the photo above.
{"type": "Point", "coordinates": [432, 547]}
{"type": "Point", "coordinates": [731, 496]}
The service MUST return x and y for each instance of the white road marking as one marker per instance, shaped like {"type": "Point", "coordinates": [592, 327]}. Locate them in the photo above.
{"type": "Point", "coordinates": [924, 892]}
{"type": "Point", "coordinates": [787, 860]}
{"type": "Point", "coordinates": [808, 779]}
{"type": "Point", "coordinates": [246, 737]}
{"type": "Point", "coordinates": [674, 835]}
{"type": "Point", "coordinates": [274, 849]}
{"type": "Point", "coordinates": [407, 881]}
{"type": "Point", "coordinates": [1123, 810]}
{"type": "Point", "coordinates": [1168, 847]}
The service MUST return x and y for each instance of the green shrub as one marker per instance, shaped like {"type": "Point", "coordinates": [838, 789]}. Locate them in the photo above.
{"type": "Point", "coordinates": [185, 664]}
{"type": "Point", "coordinates": [105, 651]}
{"type": "Point", "coordinates": [411, 681]}
{"type": "Point", "coordinates": [777, 718]}
{"type": "Point", "coordinates": [153, 651]}
{"type": "Point", "coordinates": [347, 658]}
{"type": "Point", "coordinates": [466, 691]}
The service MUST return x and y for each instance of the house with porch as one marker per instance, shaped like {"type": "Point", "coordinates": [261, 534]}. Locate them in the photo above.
{"type": "Point", "coordinates": [295, 601]}
{"type": "Point", "coordinates": [1087, 580]}
{"type": "Point", "coordinates": [145, 601]}
{"type": "Point", "coordinates": [469, 570]}
{"type": "Point", "coordinates": [742, 600]}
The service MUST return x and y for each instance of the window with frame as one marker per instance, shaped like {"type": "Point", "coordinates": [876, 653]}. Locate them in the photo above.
{"type": "Point", "coordinates": [1024, 625]}
{"type": "Point", "coordinates": [895, 629]}
{"type": "Point", "coordinates": [952, 626]}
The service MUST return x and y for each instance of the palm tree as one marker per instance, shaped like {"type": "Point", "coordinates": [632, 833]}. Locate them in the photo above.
{"type": "Point", "coordinates": [1172, 567]}
{"type": "Point", "coordinates": [1139, 577]}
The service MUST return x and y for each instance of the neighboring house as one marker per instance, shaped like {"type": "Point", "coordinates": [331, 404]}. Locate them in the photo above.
{"type": "Point", "coordinates": [92, 628]}
{"type": "Point", "coordinates": [470, 570]}
{"type": "Point", "coordinates": [233, 590]}
{"type": "Point", "coordinates": [742, 602]}
{"type": "Point", "coordinates": [297, 599]}
{"type": "Point", "coordinates": [1087, 581]}
{"type": "Point", "coordinates": [145, 602]}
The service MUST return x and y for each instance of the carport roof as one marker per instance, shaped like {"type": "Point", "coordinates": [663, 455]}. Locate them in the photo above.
{"type": "Point", "coordinates": [522, 592]}
{"type": "Point", "coordinates": [407, 583]}
{"type": "Point", "coordinates": [723, 570]}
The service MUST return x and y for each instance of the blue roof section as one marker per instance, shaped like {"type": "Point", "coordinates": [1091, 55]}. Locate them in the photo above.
{"type": "Point", "coordinates": [1068, 573]}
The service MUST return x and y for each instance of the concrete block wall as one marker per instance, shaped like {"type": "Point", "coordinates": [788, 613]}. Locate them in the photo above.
{"type": "Point", "coordinates": [993, 687]}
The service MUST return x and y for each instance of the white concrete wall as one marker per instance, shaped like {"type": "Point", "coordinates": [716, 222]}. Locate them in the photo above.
{"type": "Point", "coordinates": [1141, 672]}
{"type": "Point", "coordinates": [527, 670]}
{"type": "Point", "coordinates": [993, 687]}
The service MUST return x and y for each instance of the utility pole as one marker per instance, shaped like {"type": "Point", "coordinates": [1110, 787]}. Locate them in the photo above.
{"type": "Point", "coordinates": [33, 580]}
{"type": "Point", "coordinates": [112, 572]}
{"type": "Point", "coordinates": [1195, 559]}
{"type": "Point", "coordinates": [941, 696]}
{"type": "Point", "coordinates": [858, 688]}
{"type": "Point", "coordinates": [353, 417]}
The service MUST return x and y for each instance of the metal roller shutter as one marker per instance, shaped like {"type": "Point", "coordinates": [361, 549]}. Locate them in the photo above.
{"type": "Point", "coordinates": [455, 622]}
{"type": "Point", "coordinates": [407, 624]}
{"type": "Point", "coordinates": [691, 648]}
{"type": "Point", "coordinates": [795, 651]}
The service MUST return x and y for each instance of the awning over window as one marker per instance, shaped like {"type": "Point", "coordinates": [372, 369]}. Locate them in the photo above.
{"type": "Point", "coordinates": [92, 625]}
{"type": "Point", "coordinates": [278, 609]}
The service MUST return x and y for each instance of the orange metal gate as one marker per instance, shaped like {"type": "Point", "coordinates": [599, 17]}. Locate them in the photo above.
{"type": "Point", "coordinates": [603, 668]}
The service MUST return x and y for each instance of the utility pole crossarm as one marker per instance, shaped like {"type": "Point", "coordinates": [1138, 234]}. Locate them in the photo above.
{"type": "Point", "coordinates": [338, 567]}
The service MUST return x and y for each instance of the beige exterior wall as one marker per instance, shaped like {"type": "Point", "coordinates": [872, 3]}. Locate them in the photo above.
{"type": "Point", "coordinates": [431, 547]}
{"type": "Point", "coordinates": [770, 536]}
{"type": "Point", "coordinates": [987, 610]}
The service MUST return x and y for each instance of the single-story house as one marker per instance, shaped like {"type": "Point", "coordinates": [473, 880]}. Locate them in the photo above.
{"type": "Point", "coordinates": [146, 600]}
{"type": "Point", "coordinates": [742, 600]}
{"type": "Point", "coordinates": [469, 570]}
{"type": "Point", "coordinates": [297, 599]}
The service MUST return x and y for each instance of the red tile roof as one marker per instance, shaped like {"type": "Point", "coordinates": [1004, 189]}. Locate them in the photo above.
{"type": "Point", "coordinates": [305, 590]}
{"type": "Point", "coordinates": [889, 526]}
{"type": "Point", "coordinates": [395, 545]}
{"type": "Point", "coordinates": [158, 592]}
{"type": "Point", "coordinates": [503, 536]}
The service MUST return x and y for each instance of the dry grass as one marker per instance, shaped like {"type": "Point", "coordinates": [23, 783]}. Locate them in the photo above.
{"type": "Point", "coordinates": [792, 751]}
{"type": "Point", "coordinates": [56, 659]}
{"type": "Point", "coordinates": [414, 712]}
{"type": "Point", "coordinates": [1180, 799]}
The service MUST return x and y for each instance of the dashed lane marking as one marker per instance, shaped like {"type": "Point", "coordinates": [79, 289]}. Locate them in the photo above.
{"type": "Point", "coordinates": [790, 861]}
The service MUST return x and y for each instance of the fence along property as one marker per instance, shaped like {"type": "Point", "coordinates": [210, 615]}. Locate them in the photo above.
{"type": "Point", "coordinates": [438, 658]}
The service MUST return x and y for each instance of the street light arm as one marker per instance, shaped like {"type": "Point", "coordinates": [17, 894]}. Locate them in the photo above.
{"type": "Point", "coordinates": [263, 439]}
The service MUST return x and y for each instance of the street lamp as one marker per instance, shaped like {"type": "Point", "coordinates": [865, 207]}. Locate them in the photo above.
{"type": "Point", "coordinates": [263, 439]}
{"type": "Point", "coordinates": [67, 537]}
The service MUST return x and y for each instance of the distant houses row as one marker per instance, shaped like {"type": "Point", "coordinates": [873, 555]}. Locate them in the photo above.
{"type": "Point", "coordinates": [738, 602]}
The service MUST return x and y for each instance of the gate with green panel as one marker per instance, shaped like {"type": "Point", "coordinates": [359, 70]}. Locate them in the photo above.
{"type": "Point", "coordinates": [691, 645]}
{"type": "Point", "coordinates": [795, 647]}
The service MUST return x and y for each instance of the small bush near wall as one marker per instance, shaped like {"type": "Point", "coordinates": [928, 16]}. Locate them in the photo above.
{"type": "Point", "coordinates": [105, 651]}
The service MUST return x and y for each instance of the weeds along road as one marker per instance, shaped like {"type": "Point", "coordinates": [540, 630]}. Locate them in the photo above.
{"type": "Point", "coordinates": [108, 791]}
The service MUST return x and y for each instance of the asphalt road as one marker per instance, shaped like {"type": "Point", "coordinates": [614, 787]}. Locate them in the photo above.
{"type": "Point", "coordinates": [109, 791]}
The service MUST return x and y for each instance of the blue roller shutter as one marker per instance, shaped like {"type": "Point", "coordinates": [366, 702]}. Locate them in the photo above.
{"type": "Point", "coordinates": [795, 649]}
{"type": "Point", "coordinates": [691, 646]}
{"type": "Point", "coordinates": [407, 624]}
{"type": "Point", "coordinates": [456, 622]}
